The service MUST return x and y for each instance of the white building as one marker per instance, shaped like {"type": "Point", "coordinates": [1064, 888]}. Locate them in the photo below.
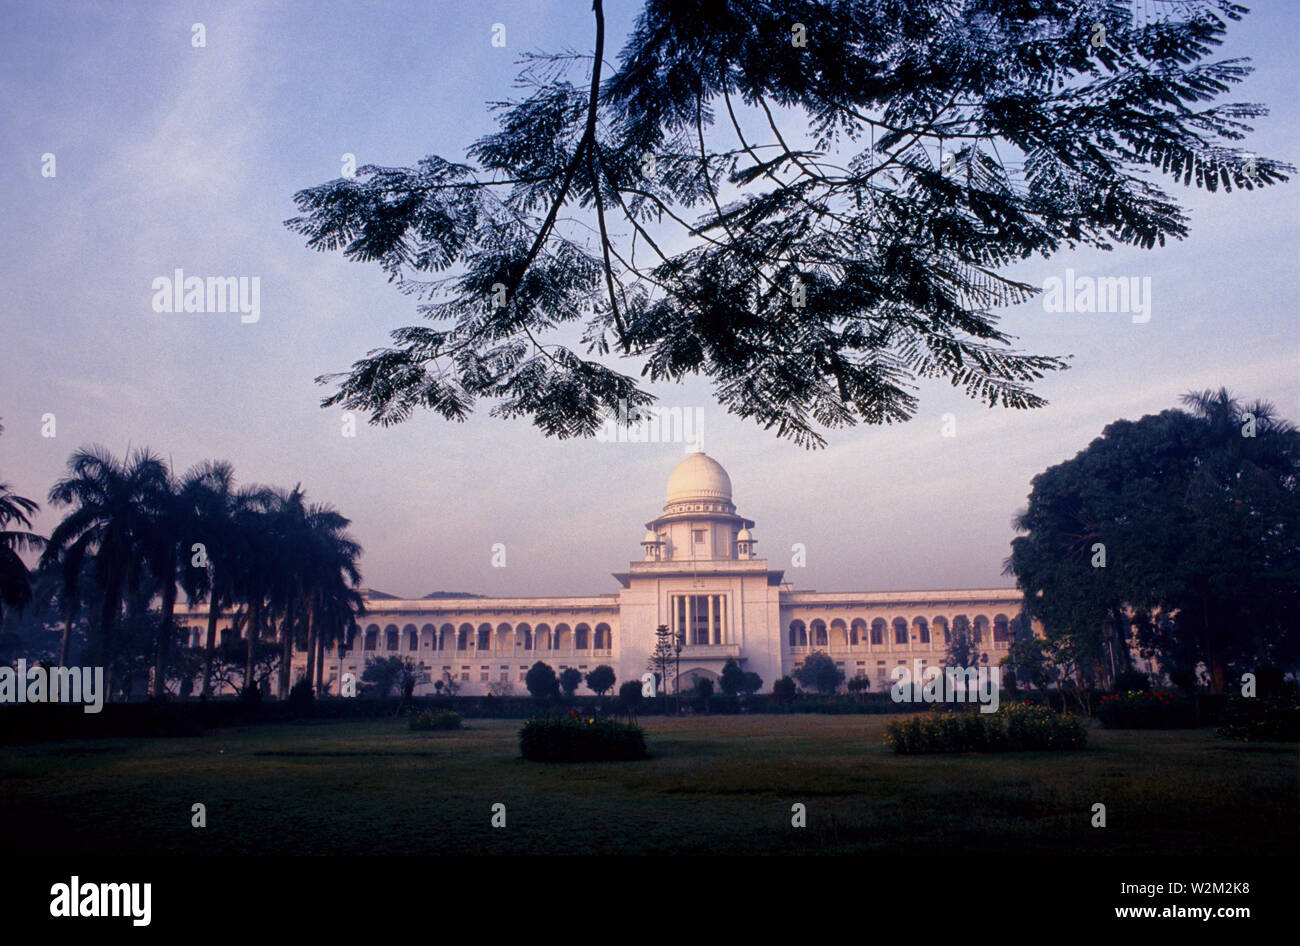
{"type": "Point", "coordinates": [702, 577]}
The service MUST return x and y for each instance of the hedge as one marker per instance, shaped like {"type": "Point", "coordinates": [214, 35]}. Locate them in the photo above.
{"type": "Point", "coordinates": [425, 720]}
{"type": "Point", "coordinates": [1262, 719]}
{"type": "Point", "coordinates": [575, 738]}
{"type": "Point", "coordinates": [1136, 709]}
{"type": "Point", "coordinates": [1016, 727]}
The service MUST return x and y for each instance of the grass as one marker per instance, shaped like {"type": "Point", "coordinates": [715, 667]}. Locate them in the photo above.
{"type": "Point", "coordinates": [720, 785]}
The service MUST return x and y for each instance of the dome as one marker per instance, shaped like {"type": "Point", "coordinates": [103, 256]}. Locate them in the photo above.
{"type": "Point", "coordinates": [650, 538]}
{"type": "Point", "coordinates": [744, 535]}
{"type": "Point", "coordinates": [699, 478]}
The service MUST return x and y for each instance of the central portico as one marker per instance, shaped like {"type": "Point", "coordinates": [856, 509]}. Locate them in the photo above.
{"type": "Point", "coordinates": [701, 579]}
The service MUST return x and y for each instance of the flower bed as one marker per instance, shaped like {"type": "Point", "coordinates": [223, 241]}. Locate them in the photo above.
{"type": "Point", "coordinates": [1138, 710]}
{"type": "Point", "coordinates": [424, 720]}
{"type": "Point", "coordinates": [575, 738]}
{"type": "Point", "coordinates": [1016, 727]}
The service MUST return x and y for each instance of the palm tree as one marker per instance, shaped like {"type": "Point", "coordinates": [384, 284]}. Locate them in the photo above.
{"type": "Point", "coordinates": [334, 599]}
{"type": "Point", "coordinates": [64, 587]}
{"type": "Point", "coordinates": [15, 579]}
{"type": "Point", "coordinates": [110, 520]}
{"type": "Point", "coordinates": [258, 571]}
{"type": "Point", "coordinates": [339, 607]}
{"type": "Point", "coordinates": [218, 509]}
{"type": "Point", "coordinates": [317, 560]}
{"type": "Point", "coordinates": [171, 522]}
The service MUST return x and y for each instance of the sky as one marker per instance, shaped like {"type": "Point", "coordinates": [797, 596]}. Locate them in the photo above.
{"type": "Point", "coordinates": [169, 155]}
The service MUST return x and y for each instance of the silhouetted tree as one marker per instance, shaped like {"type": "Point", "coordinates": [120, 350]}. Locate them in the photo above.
{"type": "Point", "coordinates": [813, 277]}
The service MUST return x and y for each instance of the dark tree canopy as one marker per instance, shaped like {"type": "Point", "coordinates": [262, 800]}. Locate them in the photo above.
{"type": "Point", "coordinates": [541, 681]}
{"type": "Point", "coordinates": [601, 680]}
{"type": "Point", "coordinates": [819, 672]}
{"type": "Point", "coordinates": [663, 212]}
{"type": "Point", "coordinates": [1188, 522]}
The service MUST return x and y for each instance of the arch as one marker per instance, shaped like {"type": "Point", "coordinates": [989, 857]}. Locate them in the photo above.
{"type": "Point", "coordinates": [604, 637]}
{"type": "Point", "coordinates": [524, 635]}
{"type": "Point", "coordinates": [858, 632]}
{"type": "Point", "coordinates": [940, 623]}
{"type": "Point", "coordinates": [446, 637]}
{"type": "Point", "coordinates": [798, 634]}
{"type": "Point", "coordinates": [900, 631]}
{"type": "Point", "coordinates": [878, 631]}
{"type": "Point", "coordinates": [686, 682]}
{"type": "Point", "coordinates": [582, 637]}
{"type": "Point", "coordinates": [483, 639]}
{"type": "Point", "coordinates": [542, 637]}
{"type": "Point", "coordinates": [505, 637]}
{"type": "Point", "coordinates": [428, 637]}
{"type": "Point", "coordinates": [839, 633]}
{"type": "Point", "coordinates": [981, 627]}
{"type": "Point", "coordinates": [817, 633]}
{"type": "Point", "coordinates": [372, 637]}
{"type": "Point", "coordinates": [922, 629]}
{"type": "Point", "coordinates": [961, 625]}
{"type": "Point", "coordinates": [390, 637]}
{"type": "Point", "coordinates": [563, 638]}
{"type": "Point", "coordinates": [412, 637]}
{"type": "Point", "coordinates": [464, 636]}
{"type": "Point", "coordinates": [1001, 629]}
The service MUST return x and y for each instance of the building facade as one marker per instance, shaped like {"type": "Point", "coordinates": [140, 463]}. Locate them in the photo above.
{"type": "Point", "coordinates": [701, 576]}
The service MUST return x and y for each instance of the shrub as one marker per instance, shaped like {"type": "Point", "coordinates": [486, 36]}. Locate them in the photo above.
{"type": "Point", "coordinates": [1262, 719]}
{"type": "Point", "coordinates": [1016, 727]}
{"type": "Point", "coordinates": [1135, 709]}
{"type": "Point", "coordinates": [300, 697]}
{"type": "Point", "coordinates": [425, 720]}
{"type": "Point", "coordinates": [783, 690]}
{"type": "Point", "coordinates": [574, 738]}
{"type": "Point", "coordinates": [629, 695]}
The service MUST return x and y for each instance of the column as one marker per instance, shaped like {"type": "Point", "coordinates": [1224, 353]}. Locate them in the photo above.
{"type": "Point", "coordinates": [690, 619]}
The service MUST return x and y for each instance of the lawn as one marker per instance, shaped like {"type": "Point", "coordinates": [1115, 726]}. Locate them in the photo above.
{"type": "Point", "coordinates": [721, 784]}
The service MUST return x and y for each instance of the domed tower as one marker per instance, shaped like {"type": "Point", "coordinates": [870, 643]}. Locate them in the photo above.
{"type": "Point", "coordinates": [699, 522]}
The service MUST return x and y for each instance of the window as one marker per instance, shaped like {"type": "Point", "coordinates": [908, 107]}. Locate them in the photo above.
{"type": "Point", "coordinates": [701, 536]}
